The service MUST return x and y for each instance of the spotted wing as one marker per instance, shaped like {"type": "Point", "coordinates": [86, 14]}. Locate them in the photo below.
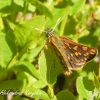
{"type": "Point", "coordinates": [77, 54]}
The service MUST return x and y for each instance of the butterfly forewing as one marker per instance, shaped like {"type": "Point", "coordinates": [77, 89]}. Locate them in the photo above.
{"type": "Point", "coordinates": [77, 54]}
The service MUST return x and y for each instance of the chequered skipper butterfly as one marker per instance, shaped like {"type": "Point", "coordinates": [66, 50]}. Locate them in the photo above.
{"type": "Point", "coordinates": [71, 54]}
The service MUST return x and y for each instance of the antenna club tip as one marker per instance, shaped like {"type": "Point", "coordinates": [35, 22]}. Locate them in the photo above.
{"type": "Point", "coordinates": [36, 28]}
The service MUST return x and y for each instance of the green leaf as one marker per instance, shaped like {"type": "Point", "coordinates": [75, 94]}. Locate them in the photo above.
{"type": "Point", "coordinates": [11, 9]}
{"type": "Point", "coordinates": [40, 5]}
{"type": "Point", "coordinates": [1, 97]}
{"type": "Point", "coordinates": [18, 97]}
{"type": "Point", "coordinates": [96, 32]}
{"type": "Point", "coordinates": [49, 66]}
{"type": "Point", "coordinates": [77, 7]}
{"type": "Point", "coordinates": [36, 93]}
{"type": "Point", "coordinates": [85, 88]}
{"type": "Point", "coordinates": [65, 95]}
{"type": "Point", "coordinates": [97, 83]}
{"type": "Point", "coordinates": [35, 51]}
{"type": "Point", "coordinates": [11, 84]}
{"type": "Point", "coordinates": [4, 3]}
{"type": "Point", "coordinates": [7, 50]}
{"type": "Point", "coordinates": [26, 32]}
{"type": "Point", "coordinates": [53, 98]}
{"type": "Point", "coordinates": [57, 13]}
{"type": "Point", "coordinates": [44, 9]}
{"type": "Point", "coordinates": [27, 67]}
{"type": "Point", "coordinates": [38, 84]}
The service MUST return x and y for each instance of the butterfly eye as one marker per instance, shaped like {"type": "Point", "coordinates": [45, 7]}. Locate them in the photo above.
{"type": "Point", "coordinates": [49, 32]}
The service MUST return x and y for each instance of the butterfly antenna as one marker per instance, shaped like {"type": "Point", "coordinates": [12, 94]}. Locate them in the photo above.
{"type": "Point", "coordinates": [52, 29]}
{"type": "Point", "coordinates": [39, 30]}
{"type": "Point", "coordinates": [56, 24]}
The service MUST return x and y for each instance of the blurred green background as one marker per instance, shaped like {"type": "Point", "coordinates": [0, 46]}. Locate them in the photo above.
{"type": "Point", "coordinates": [29, 71]}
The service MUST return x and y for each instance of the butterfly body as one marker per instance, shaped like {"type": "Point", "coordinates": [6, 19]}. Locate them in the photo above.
{"type": "Point", "coordinates": [71, 54]}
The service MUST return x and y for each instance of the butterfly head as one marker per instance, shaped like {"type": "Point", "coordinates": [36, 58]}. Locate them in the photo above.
{"type": "Point", "coordinates": [49, 32]}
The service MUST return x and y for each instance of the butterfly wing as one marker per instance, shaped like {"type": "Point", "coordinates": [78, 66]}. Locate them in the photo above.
{"type": "Point", "coordinates": [77, 54]}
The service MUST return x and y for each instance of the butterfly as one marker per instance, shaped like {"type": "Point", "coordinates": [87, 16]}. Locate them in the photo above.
{"type": "Point", "coordinates": [72, 55]}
